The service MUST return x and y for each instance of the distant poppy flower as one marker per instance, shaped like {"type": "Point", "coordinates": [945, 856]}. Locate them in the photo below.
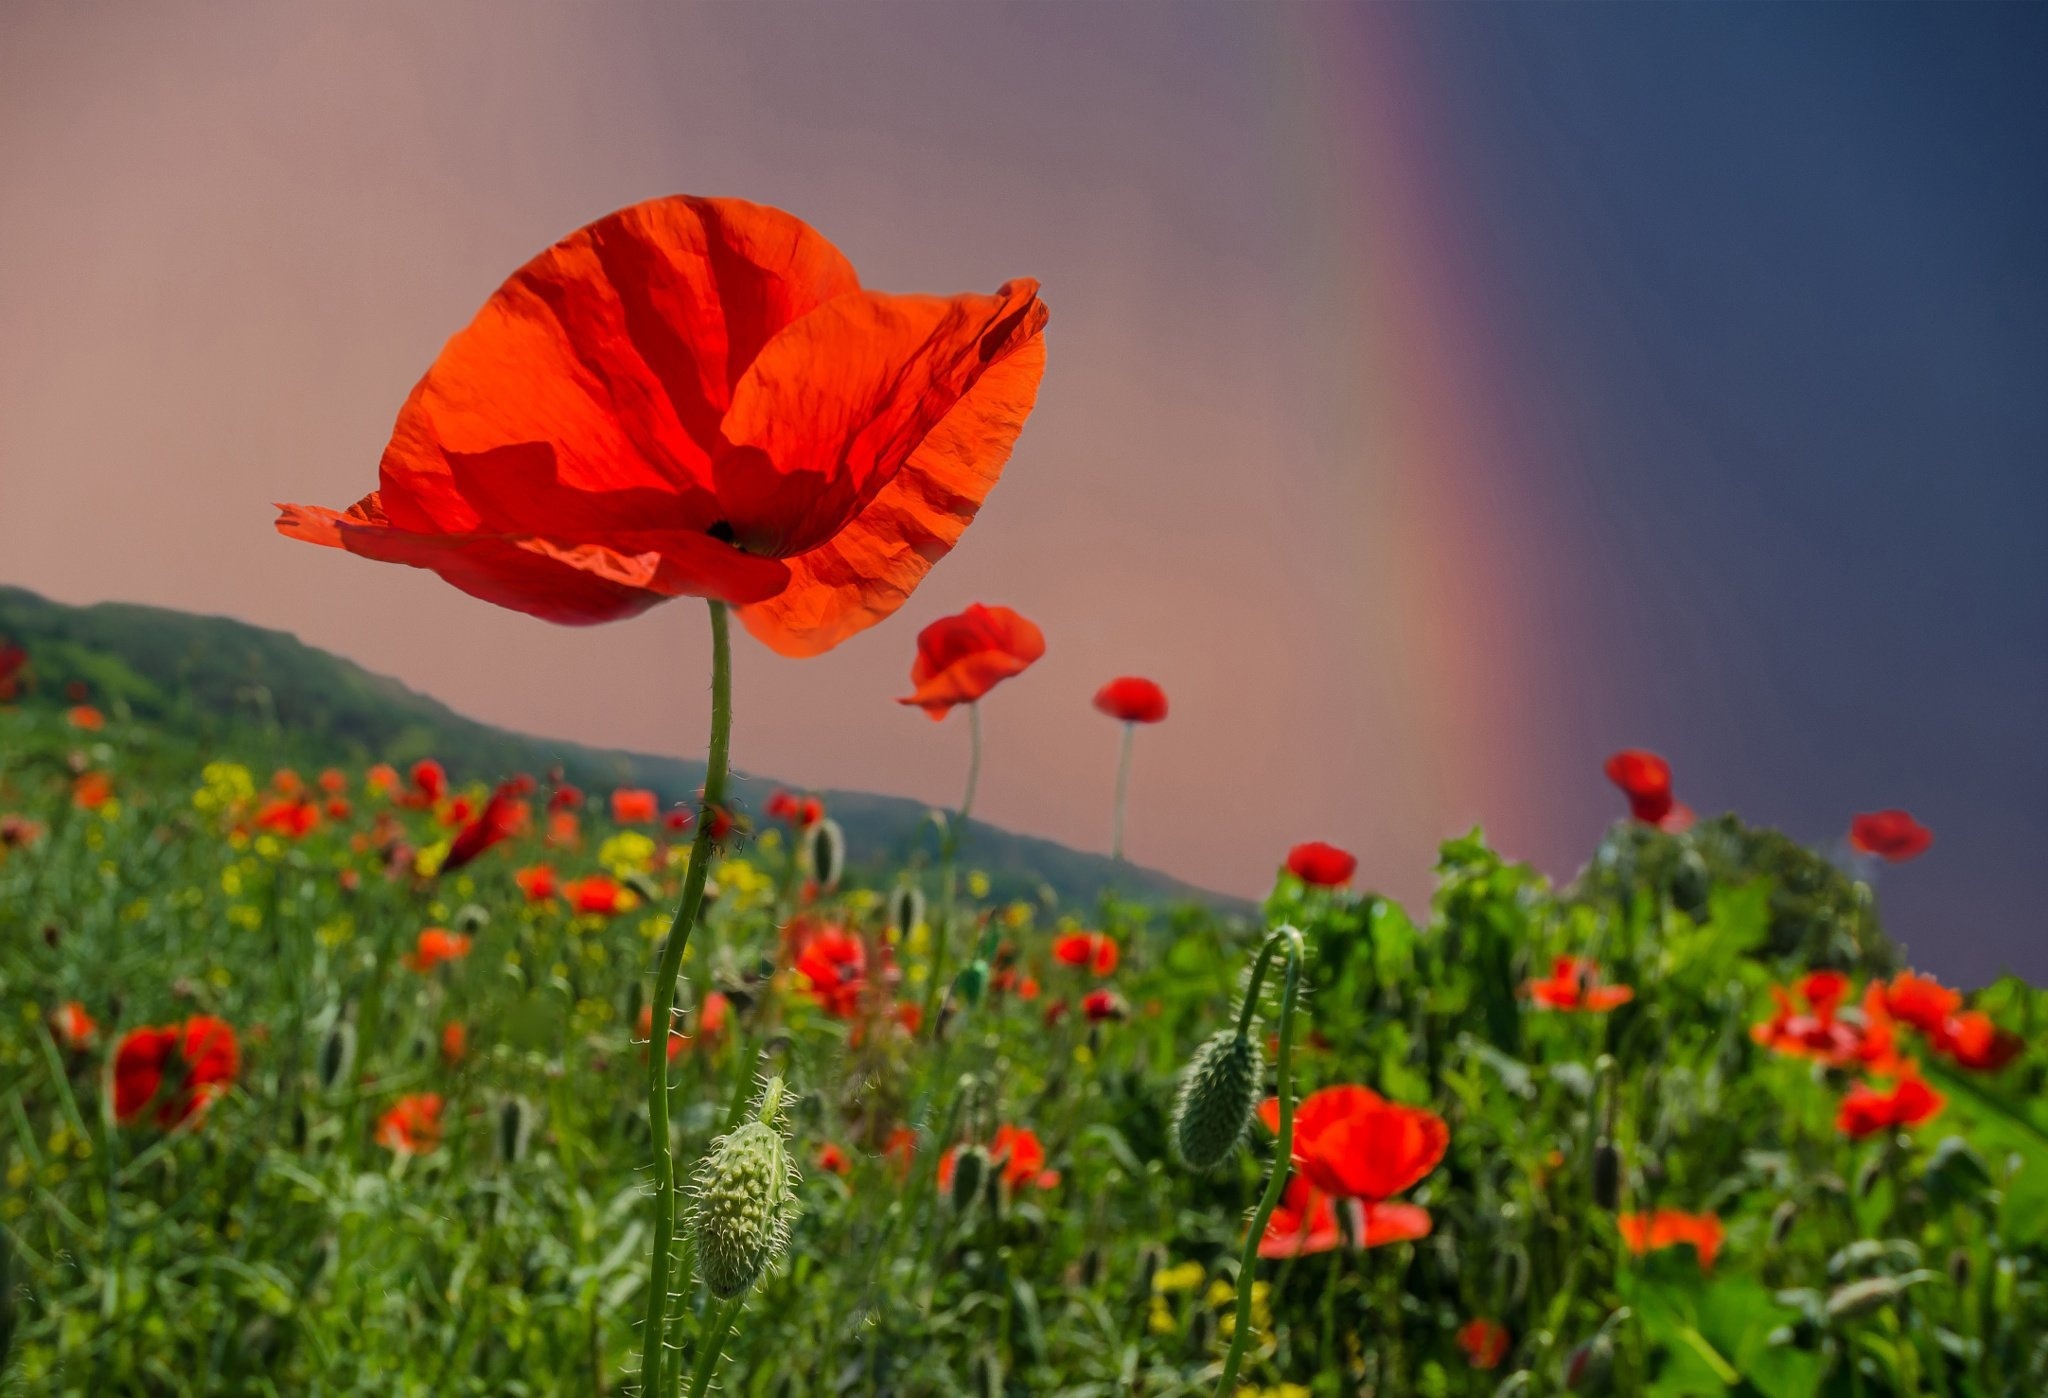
{"type": "Point", "coordinates": [537, 882]}
{"type": "Point", "coordinates": [413, 1124]}
{"type": "Point", "coordinates": [563, 828]}
{"type": "Point", "coordinates": [502, 817]}
{"type": "Point", "coordinates": [832, 1160]}
{"type": "Point", "coordinates": [1645, 779]}
{"type": "Point", "coordinates": [960, 658]}
{"type": "Point", "coordinates": [634, 806]}
{"type": "Point", "coordinates": [1017, 1154]}
{"type": "Point", "coordinates": [381, 780]}
{"type": "Point", "coordinates": [337, 809]}
{"type": "Point", "coordinates": [435, 946]}
{"type": "Point", "coordinates": [1890, 835]}
{"type": "Point", "coordinates": [900, 1147]}
{"type": "Point", "coordinates": [1866, 1110]}
{"type": "Point", "coordinates": [1352, 1143]}
{"type": "Point", "coordinates": [285, 782]}
{"type": "Point", "coordinates": [1972, 1041]}
{"type": "Point", "coordinates": [695, 397]}
{"type": "Point", "coordinates": [429, 781]}
{"type": "Point", "coordinates": [333, 781]}
{"type": "Point", "coordinates": [71, 1024]}
{"type": "Point", "coordinates": [1095, 950]}
{"type": "Point", "coordinates": [1101, 1005]}
{"type": "Point", "coordinates": [677, 821]}
{"type": "Point", "coordinates": [910, 1015]}
{"type": "Point", "coordinates": [13, 665]}
{"type": "Point", "coordinates": [1132, 700]}
{"type": "Point", "coordinates": [92, 791]}
{"type": "Point", "coordinates": [1485, 1342]}
{"type": "Point", "coordinates": [792, 809]}
{"type": "Point", "coordinates": [1819, 1033]}
{"type": "Point", "coordinates": [1921, 1001]}
{"type": "Point", "coordinates": [1321, 865]}
{"type": "Point", "coordinates": [459, 811]}
{"type": "Point", "coordinates": [86, 718]}
{"type": "Point", "coordinates": [1570, 987]}
{"type": "Point", "coordinates": [1666, 1228]}
{"type": "Point", "coordinates": [711, 1020]}
{"type": "Point", "coordinates": [595, 893]}
{"type": "Point", "coordinates": [564, 798]}
{"type": "Point", "coordinates": [454, 1042]}
{"type": "Point", "coordinates": [179, 1068]}
{"type": "Point", "coordinates": [288, 816]}
{"type": "Point", "coordinates": [19, 832]}
{"type": "Point", "coordinates": [833, 964]}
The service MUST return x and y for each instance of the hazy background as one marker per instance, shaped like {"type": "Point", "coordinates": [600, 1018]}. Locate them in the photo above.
{"type": "Point", "coordinates": [1439, 398]}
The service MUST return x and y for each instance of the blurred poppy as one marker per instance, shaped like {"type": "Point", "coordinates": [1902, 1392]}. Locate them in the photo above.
{"type": "Point", "coordinates": [832, 1160]}
{"type": "Point", "coordinates": [181, 1068]}
{"type": "Point", "coordinates": [429, 782]}
{"type": "Point", "coordinates": [711, 1019]}
{"type": "Point", "coordinates": [537, 882]}
{"type": "Point", "coordinates": [1485, 1342]}
{"type": "Point", "coordinates": [381, 780]}
{"type": "Point", "coordinates": [1972, 1041]}
{"type": "Point", "coordinates": [1866, 1110]}
{"type": "Point", "coordinates": [1820, 1033]}
{"type": "Point", "coordinates": [1017, 1154]}
{"type": "Point", "coordinates": [1921, 1001]}
{"type": "Point", "coordinates": [833, 964]}
{"type": "Point", "coordinates": [1890, 835]}
{"type": "Point", "coordinates": [503, 816]}
{"type": "Point", "coordinates": [564, 828]}
{"type": "Point", "coordinates": [288, 816]}
{"type": "Point", "coordinates": [1101, 1005]}
{"type": "Point", "coordinates": [1667, 1228]}
{"type": "Point", "coordinates": [19, 832]}
{"type": "Point", "coordinates": [1321, 865]}
{"type": "Point", "coordinates": [1570, 987]}
{"type": "Point", "coordinates": [1303, 1222]}
{"type": "Point", "coordinates": [73, 1026]}
{"type": "Point", "coordinates": [457, 812]}
{"type": "Point", "coordinates": [413, 1124]}
{"type": "Point", "coordinates": [634, 806]}
{"type": "Point", "coordinates": [13, 665]}
{"type": "Point", "coordinates": [1132, 700]}
{"type": "Point", "coordinates": [337, 808]}
{"type": "Point", "coordinates": [961, 658]}
{"type": "Point", "coordinates": [1645, 779]}
{"type": "Point", "coordinates": [677, 821]}
{"type": "Point", "coordinates": [564, 798]}
{"type": "Point", "coordinates": [435, 946]}
{"type": "Point", "coordinates": [695, 397]}
{"type": "Point", "coordinates": [285, 782]}
{"type": "Point", "coordinates": [1094, 950]}
{"type": "Point", "coordinates": [454, 1042]}
{"type": "Point", "coordinates": [334, 781]}
{"type": "Point", "coordinates": [1354, 1144]}
{"type": "Point", "coordinates": [87, 718]}
{"type": "Point", "coordinates": [92, 791]}
{"type": "Point", "coordinates": [595, 893]}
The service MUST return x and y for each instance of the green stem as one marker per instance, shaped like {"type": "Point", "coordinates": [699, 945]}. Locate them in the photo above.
{"type": "Point", "coordinates": [949, 885]}
{"type": "Point", "coordinates": [1283, 1150]}
{"type": "Point", "coordinates": [671, 964]}
{"type": "Point", "coordinates": [714, 1341]}
{"type": "Point", "coordinates": [1123, 786]}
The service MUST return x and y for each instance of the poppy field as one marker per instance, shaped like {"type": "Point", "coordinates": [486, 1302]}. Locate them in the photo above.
{"type": "Point", "coordinates": [327, 1071]}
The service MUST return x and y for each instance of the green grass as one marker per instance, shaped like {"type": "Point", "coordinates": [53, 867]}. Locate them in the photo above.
{"type": "Point", "coordinates": [275, 1246]}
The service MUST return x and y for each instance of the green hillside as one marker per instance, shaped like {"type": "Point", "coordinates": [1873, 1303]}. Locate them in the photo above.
{"type": "Point", "coordinates": [227, 686]}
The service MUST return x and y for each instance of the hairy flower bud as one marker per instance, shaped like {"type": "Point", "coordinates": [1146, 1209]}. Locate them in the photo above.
{"type": "Point", "coordinates": [1218, 1090]}
{"type": "Point", "coordinates": [745, 1189]}
{"type": "Point", "coordinates": [1606, 1175]}
{"type": "Point", "coordinates": [970, 1169]}
{"type": "Point", "coordinates": [515, 1126]}
{"type": "Point", "coordinates": [1861, 1298]}
{"type": "Point", "coordinates": [906, 908]}
{"type": "Point", "coordinates": [337, 1053]}
{"type": "Point", "coordinates": [825, 850]}
{"type": "Point", "coordinates": [1782, 1219]}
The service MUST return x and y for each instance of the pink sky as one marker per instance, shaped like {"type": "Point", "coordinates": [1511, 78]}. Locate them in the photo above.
{"type": "Point", "coordinates": [1259, 471]}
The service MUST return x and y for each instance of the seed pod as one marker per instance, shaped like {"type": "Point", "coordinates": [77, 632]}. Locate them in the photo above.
{"type": "Point", "coordinates": [1606, 1175]}
{"type": "Point", "coordinates": [745, 1186]}
{"type": "Point", "coordinates": [515, 1126]}
{"type": "Point", "coordinates": [970, 1169]}
{"type": "Point", "coordinates": [906, 908]}
{"type": "Point", "coordinates": [337, 1054]}
{"type": "Point", "coordinates": [1218, 1091]}
{"type": "Point", "coordinates": [825, 851]}
{"type": "Point", "coordinates": [1861, 1298]}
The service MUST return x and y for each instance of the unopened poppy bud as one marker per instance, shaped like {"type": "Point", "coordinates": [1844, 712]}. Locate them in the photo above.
{"type": "Point", "coordinates": [1691, 885]}
{"type": "Point", "coordinates": [1218, 1090]}
{"type": "Point", "coordinates": [970, 1169]}
{"type": "Point", "coordinates": [337, 1054]}
{"type": "Point", "coordinates": [906, 908]}
{"type": "Point", "coordinates": [1511, 1269]}
{"type": "Point", "coordinates": [1959, 1268]}
{"type": "Point", "coordinates": [1606, 1175]}
{"type": "Point", "coordinates": [744, 1187]}
{"type": "Point", "coordinates": [472, 918]}
{"type": "Point", "coordinates": [825, 849]}
{"type": "Point", "coordinates": [515, 1125]}
{"type": "Point", "coordinates": [1590, 1367]}
{"type": "Point", "coordinates": [1861, 1298]}
{"type": "Point", "coordinates": [1782, 1219]}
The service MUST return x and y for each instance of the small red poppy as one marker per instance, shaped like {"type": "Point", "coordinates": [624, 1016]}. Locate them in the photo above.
{"type": "Point", "coordinates": [961, 658]}
{"type": "Point", "coordinates": [1484, 1341]}
{"type": "Point", "coordinates": [1972, 1041]}
{"type": "Point", "coordinates": [635, 806]}
{"type": "Point", "coordinates": [537, 882]}
{"type": "Point", "coordinates": [1866, 1110]}
{"type": "Point", "coordinates": [1102, 1005]}
{"type": "Point", "coordinates": [1666, 1228]}
{"type": "Point", "coordinates": [1094, 950]}
{"type": "Point", "coordinates": [429, 782]}
{"type": "Point", "coordinates": [182, 1068]}
{"type": "Point", "coordinates": [1132, 700]}
{"type": "Point", "coordinates": [1645, 778]}
{"type": "Point", "coordinates": [86, 718]}
{"type": "Point", "coordinates": [436, 945]}
{"type": "Point", "coordinates": [595, 893]}
{"type": "Point", "coordinates": [1921, 1001]}
{"type": "Point", "coordinates": [71, 1024]}
{"type": "Point", "coordinates": [288, 816]}
{"type": "Point", "coordinates": [833, 964]}
{"type": "Point", "coordinates": [1890, 835]}
{"type": "Point", "coordinates": [1018, 1155]}
{"type": "Point", "coordinates": [413, 1124]}
{"type": "Point", "coordinates": [1570, 987]}
{"type": "Point", "coordinates": [503, 816]}
{"type": "Point", "coordinates": [92, 791]}
{"type": "Point", "coordinates": [454, 1042]}
{"type": "Point", "coordinates": [832, 1160]}
{"type": "Point", "coordinates": [1321, 865]}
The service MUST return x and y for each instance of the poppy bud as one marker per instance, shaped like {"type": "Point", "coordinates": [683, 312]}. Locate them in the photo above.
{"type": "Point", "coordinates": [299, 1127]}
{"type": "Point", "coordinates": [1606, 1175]}
{"type": "Point", "coordinates": [1782, 1219]}
{"type": "Point", "coordinates": [825, 849]}
{"type": "Point", "coordinates": [1218, 1090]}
{"type": "Point", "coordinates": [1512, 1271]}
{"type": "Point", "coordinates": [1869, 1175]}
{"type": "Point", "coordinates": [1861, 1298]}
{"type": "Point", "coordinates": [337, 1054]}
{"type": "Point", "coordinates": [644, 887]}
{"type": "Point", "coordinates": [970, 1169]}
{"type": "Point", "coordinates": [1690, 885]}
{"type": "Point", "coordinates": [906, 908]}
{"type": "Point", "coordinates": [1959, 1268]}
{"type": "Point", "coordinates": [515, 1126]}
{"type": "Point", "coordinates": [744, 1188]}
{"type": "Point", "coordinates": [472, 918]}
{"type": "Point", "coordinates": [1590, 1367]}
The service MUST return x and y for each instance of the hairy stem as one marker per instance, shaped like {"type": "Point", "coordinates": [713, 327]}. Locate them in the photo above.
{"type": "Point", "coordinates": [949, 885]}
{"type": "Point", "coordinates": [1123, 787]}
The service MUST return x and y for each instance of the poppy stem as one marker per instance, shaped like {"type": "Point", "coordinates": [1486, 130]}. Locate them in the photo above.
{"type": "Point", "coordinates": [949, 891]}
{"type": "Point", "coordinates": [1123, 786]}
{"type": "Point", "coordinates": [1283, 1150]}
{"type": "Point", "coordinates": [652, 1378]}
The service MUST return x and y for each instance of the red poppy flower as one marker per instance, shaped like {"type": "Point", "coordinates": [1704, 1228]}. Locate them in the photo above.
{"type": "Point", "coordinates": [333, 781]}
{"type": "Point", "coordinates": [787, 807]}
{"type": "Point", "coordinates": [1303, 1222]}
{"type": "Point", "coordinates": [537, 882]}
{"type": "Point", "coordinates": [413, 1124]}
{"type": "Point", "coordinates": [598, 894]}
{"type": "Point", "coordinates": [1972, 1041]}
{"type": "Point", "coordinates": [1354, 1144]}
{"type": "Point", "coordinates": [289, 817]}
{"type": "Point", "coordinates": [1666, 1228]}
{"type": "Point", "coordinates": [456, 812]}
{"type": "Point", "coordinates": [13, 664]}
{"type": "Point", "coordinates": [833, 964]}
{"type": "Point", "coordinates": [1131, 699]}
{"type": "Point", "coordinates": [1820, 1034]}
{"type": "Point", "coordinates": [181, 1068]}
{"type": "Point", "coordinates": [382, 779]}
{"type": "Point", "coordinates": [634, 806]}
{"type": "Point", "coordinates": [436, 945]}
{"type": "Point", "coordinates": [1921, 1001]}
{"type": "Point", "coordinates": [1865, 1110]}
{"type": "Point", "coordinates": [1095, 950]}
{"type": "Point", "coordinates": [832, 1160]}
{"type": "Point", "coordinates": [960, 658]}
{"type": "Point", "coordinates": [1321, 865]}
{"type": "Point", "coordinates": [503, 816]}
{"type": "Point", "coordinates": [454, 1042]}
{"type": "Point", "coordinates": [1570, 987]}
{"type": "Point", "coordinates": [87, 718]}
{"type": "Point", "coordinates": [1101, 1005]}
{"type": "Point", "coordinates": [19, 832]}
{"type": "Point", "coordinates": [73, 1025]}
{"type": "Point", "coordinates": [564, 828]}
{"type": "Point", "coordinates": [1890, 835]}
{"type": "Point", "coordinates": [1485, 1342]}
{"type": "Point", "coordinates": [337, 809]}
{"type": "Point", "coordinates": [92, 791]}
{"type": "Point", "coordinates": [564, 798]}
{"type": "Point", "coordinates": [1645, 779]}
{"type": "Point", "coordinates": [429, 781]}
{"type": "Point", "coordinates": [677, 821]}
{"type": "Point", "coordinates": [1018, 1155]}
{"type": "Point", "coordinates": [695, 397]}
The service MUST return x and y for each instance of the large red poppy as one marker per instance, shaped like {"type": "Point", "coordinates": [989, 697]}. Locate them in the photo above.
{"type": "Point", "coordinates": [1354, 1144]}
{"type": "Point", "coordinates": [1320, 864]}
{"type": "Point", "coordinates": [181, 1068]}
{"type": "Point", "coordinates": [960, 658]}
{"type": "Point", "coordinates": [1890, 835]}
{"type": "Point", "coordinates": [696, 397]}
{"type": "Point", "coordinates": [1132, 699]}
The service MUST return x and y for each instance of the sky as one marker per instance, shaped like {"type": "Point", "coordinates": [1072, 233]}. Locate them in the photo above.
{"type": "Point", "coordinates": [1438, 398]}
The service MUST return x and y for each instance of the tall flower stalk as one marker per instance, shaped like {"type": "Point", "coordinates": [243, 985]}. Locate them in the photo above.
{"type": "Point", "coordinates": [949, 872]}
